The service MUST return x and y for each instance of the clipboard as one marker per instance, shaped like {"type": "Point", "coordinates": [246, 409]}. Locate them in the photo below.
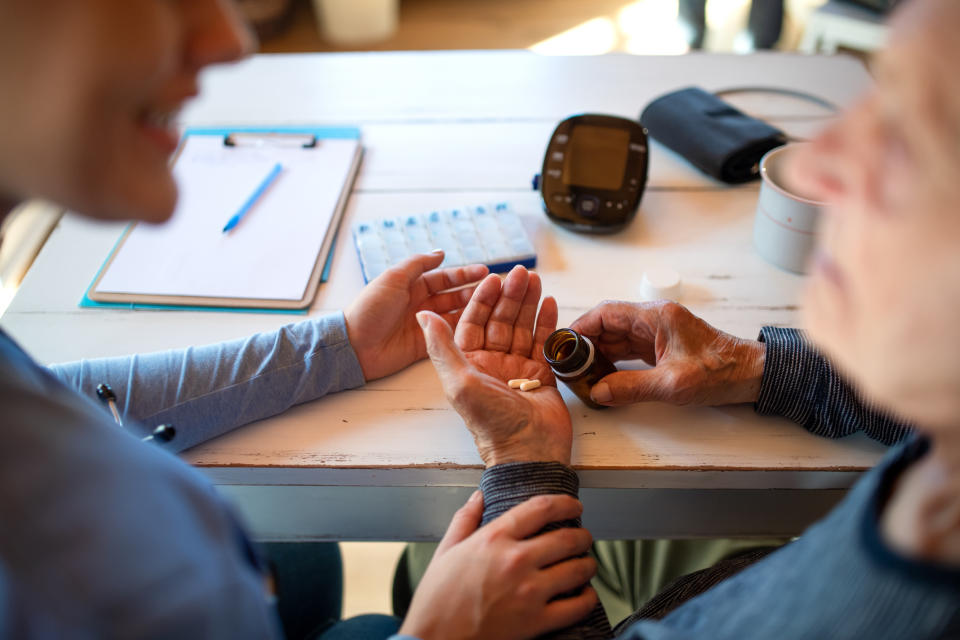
{"type": "Point", "coordinates": [276, 257]}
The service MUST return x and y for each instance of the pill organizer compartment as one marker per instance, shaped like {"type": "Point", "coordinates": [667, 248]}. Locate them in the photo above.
{"type": "Point", "coordinates": [490, 234]}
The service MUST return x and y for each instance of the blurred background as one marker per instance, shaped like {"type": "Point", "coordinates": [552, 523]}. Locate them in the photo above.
{"type": "Point", "coordinates": [560, 27]}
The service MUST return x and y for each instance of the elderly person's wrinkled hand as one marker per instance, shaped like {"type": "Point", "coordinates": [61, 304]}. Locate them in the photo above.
{"type": "Point", "coordinates": [692, 362]}
{"type": "Point", "coordinates": [500, 337]}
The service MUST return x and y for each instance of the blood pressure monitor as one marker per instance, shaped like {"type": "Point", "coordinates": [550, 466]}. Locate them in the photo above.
{"type": "Point", "coordinates": [594, 173]}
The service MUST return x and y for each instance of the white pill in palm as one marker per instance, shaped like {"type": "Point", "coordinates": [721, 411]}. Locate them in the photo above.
{"type": "Point", "coordinates": [516, 382]}
{"type": "Point", "coordinates": [529, 385]}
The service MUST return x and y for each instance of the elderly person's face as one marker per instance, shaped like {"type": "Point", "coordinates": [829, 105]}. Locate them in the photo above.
{"type": "Point", "coordinates": [89, 87]}
{"type": "Point", "coordinates": [884, 296]}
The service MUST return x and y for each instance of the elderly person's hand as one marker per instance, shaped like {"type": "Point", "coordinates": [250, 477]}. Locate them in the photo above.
{"type": "Point", "coordinates": [694, 363]}
{"type": "Point", "coordinates": [381, 322]}
{"type": "Point", "coordinates": [500, 337]}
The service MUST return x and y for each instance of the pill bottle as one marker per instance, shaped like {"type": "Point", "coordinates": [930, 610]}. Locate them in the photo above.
{"type": "Point", "coordinates": [576, 363]}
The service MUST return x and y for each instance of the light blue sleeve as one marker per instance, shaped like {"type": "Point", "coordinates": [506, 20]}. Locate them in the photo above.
{"type": "Point", "coordinates": [208, 390]}
{"type": "Point", "coordinates": [400, 637]}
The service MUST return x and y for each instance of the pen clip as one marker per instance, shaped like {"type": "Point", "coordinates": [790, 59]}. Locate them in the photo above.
{"type": "Point", "coordinates": [287, 140]}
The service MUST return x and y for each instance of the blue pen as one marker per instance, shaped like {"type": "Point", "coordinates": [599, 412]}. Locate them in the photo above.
{"type": "Point", "coordinates": [252, 200]}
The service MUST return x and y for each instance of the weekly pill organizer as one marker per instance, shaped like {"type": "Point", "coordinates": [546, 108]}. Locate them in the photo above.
{"type": "Point", "coordinates": [490, 234]}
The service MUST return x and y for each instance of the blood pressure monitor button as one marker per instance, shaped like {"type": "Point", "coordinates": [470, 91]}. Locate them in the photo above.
{"type": "Point", "coordinates": [588, 206]}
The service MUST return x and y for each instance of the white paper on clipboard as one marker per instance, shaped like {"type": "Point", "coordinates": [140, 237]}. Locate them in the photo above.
{"type": "Point", "coordinates": [270, 255]}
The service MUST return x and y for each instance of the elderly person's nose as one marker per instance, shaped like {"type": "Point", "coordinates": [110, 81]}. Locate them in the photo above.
{"type": "Point", "coordinates": [815, 170]}
{"type": "Point", "coordinates": [839, 162]}
{"type": "Point", "coordinates": [844, 164]}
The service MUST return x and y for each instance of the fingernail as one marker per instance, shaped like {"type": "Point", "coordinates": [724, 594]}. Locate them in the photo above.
{"type": "Point", "coordinates": [437, 250]}
{"type": "Point", "coordinates": [422, 319]}
{"type": "Point", "coordinates": [475, 496]}
{"type": "Point", "coordinates": [601, 393]}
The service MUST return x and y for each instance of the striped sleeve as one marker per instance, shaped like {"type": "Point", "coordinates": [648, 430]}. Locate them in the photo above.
{"type": "Point", "coordinates": [801, 385]}
{"type": "Point", "coordinates": [507, 485]}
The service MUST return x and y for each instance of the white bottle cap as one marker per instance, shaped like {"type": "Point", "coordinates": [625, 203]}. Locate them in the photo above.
{"type": "Point", "coordinates": [660, 283]}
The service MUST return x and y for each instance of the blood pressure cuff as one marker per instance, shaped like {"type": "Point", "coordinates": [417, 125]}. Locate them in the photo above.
{"type": "Point", "coordinates": [714, 136]}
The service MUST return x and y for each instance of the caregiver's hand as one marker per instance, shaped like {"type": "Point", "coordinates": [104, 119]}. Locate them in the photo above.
{"type": "Point", "coordinates": [381, 323]}
{"type": "Point", "coordinates": [501, 580]}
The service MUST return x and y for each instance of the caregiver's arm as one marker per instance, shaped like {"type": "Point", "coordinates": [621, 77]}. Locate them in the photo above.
{"type": "Point", "coordinates": [208, 390]}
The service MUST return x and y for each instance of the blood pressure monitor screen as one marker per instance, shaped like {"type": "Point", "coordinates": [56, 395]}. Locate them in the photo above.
{"type": "Point", "coordinates": [596, 157]}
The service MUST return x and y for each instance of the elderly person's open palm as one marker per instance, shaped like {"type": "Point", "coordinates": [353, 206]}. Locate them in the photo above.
{"type": "Point", "coordinates": [500, 337]}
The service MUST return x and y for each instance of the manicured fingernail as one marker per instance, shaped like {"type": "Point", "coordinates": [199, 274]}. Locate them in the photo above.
{"type": "Point", "coordinates": [601, 393]}
{"type": "Point", "coordinates": [422, 319]}
{"type": "Point", "coordinates": [475, 496]}
{"type": "Point", "coordinates": [437, 250]}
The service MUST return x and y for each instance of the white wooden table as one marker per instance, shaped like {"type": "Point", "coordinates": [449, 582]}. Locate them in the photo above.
{"type": "Point", "coordinates": [391, 460]}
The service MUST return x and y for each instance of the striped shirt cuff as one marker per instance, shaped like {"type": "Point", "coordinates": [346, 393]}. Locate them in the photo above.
{"type": "Point", "coordinates": [801, 385]}
{"type": "Point", "coordinates": [790, 369]}
{"type": "Point", "coordinates": [507, 485]}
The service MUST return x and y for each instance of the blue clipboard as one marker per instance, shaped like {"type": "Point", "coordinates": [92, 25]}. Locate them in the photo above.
{"type": "Point", "coordinates": [318, 134]}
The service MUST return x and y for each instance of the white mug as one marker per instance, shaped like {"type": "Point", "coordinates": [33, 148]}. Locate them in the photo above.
{"type": "Point", "coordinates": [785, 227]}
